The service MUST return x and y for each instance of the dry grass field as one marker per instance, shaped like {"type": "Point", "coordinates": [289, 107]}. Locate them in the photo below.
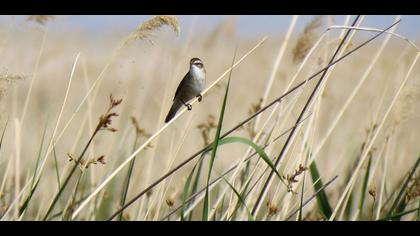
{"type": "Point", "coordinates": [353, 155]}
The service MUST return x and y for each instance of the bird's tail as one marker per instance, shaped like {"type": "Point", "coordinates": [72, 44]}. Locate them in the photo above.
{"type": "Point", "coordinates": [175, 107]}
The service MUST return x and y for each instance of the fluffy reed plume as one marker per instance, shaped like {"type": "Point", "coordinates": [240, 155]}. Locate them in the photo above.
{"type": "Point", "coordinates": [41, 19]}
{"type": "Point", "coordinates": [406, 105]}
{"type": "Point", "coordinates": [145, 30]}
{"type": "Point", "coordinates": [224, 31]}
{"type": "Point", "coordinates": [6, 79]}
{"type": "Point", "coordinates": [307, 39]}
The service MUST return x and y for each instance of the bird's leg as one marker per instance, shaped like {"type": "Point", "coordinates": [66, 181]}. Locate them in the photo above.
{"type": "Point", "coordinates": [189, 107]}
{"type": "Point", "coordinates": [200, 97]}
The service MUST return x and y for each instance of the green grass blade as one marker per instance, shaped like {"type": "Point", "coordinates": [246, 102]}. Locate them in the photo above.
{"type": "Point", "coordinates": [33, 184]}
{"type": "Point", "coordinates": [4, 131]}
{"type": "Point", "coordinates": [256, 148]}
{"type": "Point", "coordinates": [403, 188]}
{"type": "Point", "coordinates": [364, 187]}
{"type": "Point", "coordinates": [321, 198]}
{"type": "Point", "coordinates": [250, 218]}
{"type": "Point", "coordinates": [214, 150]}
{"type": "Point", "coordinates": [127, 182]}
{"type": "Point", "coordinates": [195, 183]}
{"type": "Point", "coordinates": [185, 192]}
{"type": "Point", "coordinates": [28, 199]}
{"type": "Point", "coordinates": [399, 215]}
{"type": "Point", "coordinates": [57, 172]}
{"type": "Point", "coordinates": [243, 196]}
{"type": "Point", "coordinates": [216, 142]}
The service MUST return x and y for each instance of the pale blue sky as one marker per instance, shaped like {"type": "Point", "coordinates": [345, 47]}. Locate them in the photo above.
{"type": "Point", "coordinates": [246, 25]}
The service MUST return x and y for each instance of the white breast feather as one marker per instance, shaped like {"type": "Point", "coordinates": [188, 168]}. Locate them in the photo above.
{"type": "Point", "coordinates": [199, 78]}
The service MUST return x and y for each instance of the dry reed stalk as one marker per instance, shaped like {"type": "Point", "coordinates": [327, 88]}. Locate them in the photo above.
{"type": "Point", "coordinates": [17, 161]}
{"type": "Point", "coordinates": [347, 20]}
{"type": "Point", "coordinates": [375, 170]}
{"type": "Point", "coordinates": [353, 94]}
{"type": "Point", "coordinates": [53, 134]}
{"type": "Point", "coordinates": [258, 166]}
{"type": "Point", "coordinates": [280, 125]}
{"type": "Point", "coordinates": [259, 170]}
{"type": "Point", "coordinates": [171, 161]}
{"type": "Point", "coordinates": [276, 65]}
{"type": "Point", "coordinates": [303, 154]}
{"type": "Point", "coordinates": [370, 144]}
{"type": "Point", "coordinates": [199, 195]}
{"type": "Point", "coordinates": [268, 89]}
{"type": "Point", "coordinates": [326, 74]}
{"type": "Point", "coordinates": [6, 173]}
{"type": "Point", "coordinates": [103, 124]}
{"type": "Point", "coordinates": [147, 28]}
{"type": "Point", "coordinates": [89, 112]}
{"type": "Point", "coordinates": [98, 80]}
{"type": "Point", "coordinates": [365, 75]}
{"type": "Point", "coordinates": [377, 30]}
{"type": "Point", "coordinates": [116, 171]}
{"type": "Point", "coordinates": [149, 166]}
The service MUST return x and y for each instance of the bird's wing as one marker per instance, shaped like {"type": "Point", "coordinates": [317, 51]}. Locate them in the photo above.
{"type": "Point", "coordinates": [184, 80]}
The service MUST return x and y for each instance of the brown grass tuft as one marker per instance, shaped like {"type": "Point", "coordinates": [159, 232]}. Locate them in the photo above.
{"type": "Point", "coordinates": [82, 163]}
{"type": "Point", "coordinates": [307, 39]}
{"type": "Point", "coordinates": [272, 208]}
{"type": "Point", "coordinates": [291, 178]}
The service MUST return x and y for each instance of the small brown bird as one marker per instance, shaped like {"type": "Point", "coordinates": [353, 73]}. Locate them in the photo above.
{"type": "Point", "coordinates": [191, 86]}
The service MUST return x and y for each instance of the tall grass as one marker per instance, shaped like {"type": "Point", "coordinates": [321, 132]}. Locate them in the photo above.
{"type": "Point", "coordinates": [313, 125]}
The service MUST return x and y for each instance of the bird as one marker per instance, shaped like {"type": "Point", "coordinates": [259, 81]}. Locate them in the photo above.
{"type": "Point", "coordinates": [191, 86]}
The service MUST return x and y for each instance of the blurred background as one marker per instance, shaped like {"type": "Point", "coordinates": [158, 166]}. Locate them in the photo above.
{"type": "Point", "coordinates": [249, 26]}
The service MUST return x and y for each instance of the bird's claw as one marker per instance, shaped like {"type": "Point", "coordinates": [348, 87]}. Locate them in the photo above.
{"type": "Point", "coordinates": [200, 97]}
{"type": "Point", "coordinates": [189, 107]}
